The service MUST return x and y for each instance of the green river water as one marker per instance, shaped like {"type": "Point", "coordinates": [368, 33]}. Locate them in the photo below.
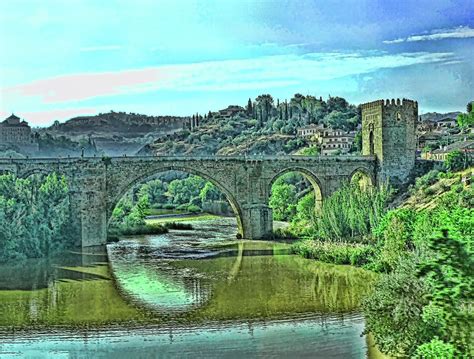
{"type": "Point", "coordinates": [199, 294]}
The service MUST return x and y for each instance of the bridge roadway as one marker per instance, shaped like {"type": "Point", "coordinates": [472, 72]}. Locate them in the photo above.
{"type": "Point", "coordinates": [97, 183]}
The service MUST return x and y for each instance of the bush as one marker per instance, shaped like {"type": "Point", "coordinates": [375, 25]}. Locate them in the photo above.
{"type": "Point", "coordinates": [139, 229]}
{"type": "Point", "coordinates": [337, 253]}
{"type": "Point", "coordinates": [193, 208]}
{"type": "Point", "coordinates": [456, 161]}
{"type": "Point", "coordinates": [351, 213]}
{"type": "Point", "coordinates": [435, 349]}
{"type": "Point", "coordinates": [427, 180]}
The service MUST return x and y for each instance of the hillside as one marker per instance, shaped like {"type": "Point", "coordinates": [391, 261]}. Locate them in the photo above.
{"type": "Point", "coordinates": [263, 126]}
{"type": "Point", "coordinates": [438, 187]}
{"type": "Point", "coordinates": [436, 116]}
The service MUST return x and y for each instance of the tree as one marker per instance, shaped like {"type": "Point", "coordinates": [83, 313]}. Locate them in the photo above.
{"type": "Point", "coordinates": [282, 201]}
{"type": "Point", "coordinates": [249, 108]}
{"type": "Point", "coordinates": [34, 216]}
{"type": "Point", "coordinates": [155, 191]}
{"type": "Point", "coordinates": [210, 193]}
{"type": "Point", "coordinates": [456, 161]}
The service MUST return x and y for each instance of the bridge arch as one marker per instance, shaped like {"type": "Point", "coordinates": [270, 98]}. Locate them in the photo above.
{"type": "Point", "coordinates": [125, 186]}
{"type": "Point", "coordinates": [37, 171]}
{"type": "Point", "coordinates": [364, 178]}
{"type": "Point", "coordinates": [310, 176]}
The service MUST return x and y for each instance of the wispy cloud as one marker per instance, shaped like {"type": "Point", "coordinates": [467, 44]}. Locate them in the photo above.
{"type": "Point", "coordinates": [461, 32]}
{"type": "Point", "coordinates": [230, 75]}
{"type": "Point", "coordinates": [100, 48]}
{"type": "Point", "coordinates": [47, 117]}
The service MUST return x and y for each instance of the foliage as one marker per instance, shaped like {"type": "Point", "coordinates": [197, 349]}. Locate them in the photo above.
{"type": "Point", "coordinates": [183, 191]}
{"type": "Point", "coordinates": [34, 216]}
{"type": "Point", "coordinates": [351, 212]}
{"type": "Point", "coordinates": [282, 201]}
{"type": "Point", "coordinates": [465, 120]}
{"type": "Point", "coordinates": [155, 190]}
{"type": "Point", "coordinates": [337, 253]}
{"type": "Point", "coordinates": [435, 349]}
{"type": "Point", "coordinates": [394, 309]}
{"type": "Point", "coordinates": [456, 161]}
{"type": "Point", "coordinates": [309, 151]}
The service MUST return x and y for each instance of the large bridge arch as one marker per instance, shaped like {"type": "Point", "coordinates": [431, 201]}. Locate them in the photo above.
{"type": "Point", "coordinates": [137, 178]}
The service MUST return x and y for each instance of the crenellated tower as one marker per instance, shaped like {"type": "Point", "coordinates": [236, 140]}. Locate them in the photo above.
{"type": "Point", "coordinates": [388, 132]}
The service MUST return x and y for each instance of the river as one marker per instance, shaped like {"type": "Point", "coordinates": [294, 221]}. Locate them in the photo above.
{"type": "Point", "coordinates": [198, 293]}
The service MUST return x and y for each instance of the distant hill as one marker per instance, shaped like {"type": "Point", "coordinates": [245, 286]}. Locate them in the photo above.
{"type": "Point", "coordinates": [435, 116]}
{"type": "Point", "coordinates": [119, 124]}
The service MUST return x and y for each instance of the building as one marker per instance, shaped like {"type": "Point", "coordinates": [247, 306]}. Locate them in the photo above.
{"type": "Point", "coordinates": [331, 142]}
{"type": "Point", "coordinates": [309, 131]}
{"type": "Point", "coordinates": [14, 131]}
{"type": "Point", "coordinates": [334, 142]}
{"type": "Point", "coordinates": [231, 111]}
{"type": "Point", "coordinates": [466, 147]}
{"type": "Point", "coordinates": [446, 123]}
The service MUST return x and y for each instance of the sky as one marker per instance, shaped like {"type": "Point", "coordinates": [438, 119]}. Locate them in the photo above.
{"type": "Point", "coordinates": [60, 59]}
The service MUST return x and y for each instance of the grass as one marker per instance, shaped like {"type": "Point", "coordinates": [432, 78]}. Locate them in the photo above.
{"type": "Point", "coordinates": [335, 252]}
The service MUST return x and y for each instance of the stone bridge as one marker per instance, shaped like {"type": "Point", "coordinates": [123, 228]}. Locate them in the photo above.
{"type": "Point", "coordinates": [96, 184]}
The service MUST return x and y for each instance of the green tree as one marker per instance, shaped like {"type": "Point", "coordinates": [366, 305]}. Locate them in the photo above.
{"type": "Point", "coordinates": [456, 161]}
{"type": "Point", "coordinates": [282, 201]}
{"type": "Point", "coordinates": [210, 193]}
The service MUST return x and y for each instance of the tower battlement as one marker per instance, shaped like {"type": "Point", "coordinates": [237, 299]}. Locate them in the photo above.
{"type": "Point", "coordinates": [389, 104]}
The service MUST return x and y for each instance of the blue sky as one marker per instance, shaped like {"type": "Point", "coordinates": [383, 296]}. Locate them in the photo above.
{"type": "Point", "coordinates": [64, 58]}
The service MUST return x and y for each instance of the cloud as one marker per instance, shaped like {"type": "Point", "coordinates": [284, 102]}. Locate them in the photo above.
{"type": "Point", "coordinates": [47, 117]}
{"type": "Point", "coordinates": [230, 75]}
{"type": "Point", "coordinates": [461, 32]}
{"type": "Point", "coordinates": [100, 48]}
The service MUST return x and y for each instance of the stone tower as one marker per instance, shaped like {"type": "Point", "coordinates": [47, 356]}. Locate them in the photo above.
{"type": "Point", "coordinates": [388, 132]}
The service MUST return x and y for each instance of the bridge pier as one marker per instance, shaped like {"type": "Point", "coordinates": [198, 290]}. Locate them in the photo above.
{"type": "Point", "coordinates": [257, 221]}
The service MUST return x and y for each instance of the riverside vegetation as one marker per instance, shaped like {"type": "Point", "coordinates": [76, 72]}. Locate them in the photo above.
{"type": "Point", "coordinates": [421, 306]}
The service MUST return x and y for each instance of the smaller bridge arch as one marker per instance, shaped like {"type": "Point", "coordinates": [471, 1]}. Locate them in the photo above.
{"type": "Point", "coordinates": [364, 178]}
{"type": "Point", "coordinates": [310, 176]}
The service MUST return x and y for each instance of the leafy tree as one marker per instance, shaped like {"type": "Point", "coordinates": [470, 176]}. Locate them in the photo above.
{"type": "Point", "coordinates": [155, 191]}
{"type": "Point", "coordinates": [34, 216]}
{"type": "Point", "coordinates": [305, 209]}
{"type": "Point", "coordinates": [456, 161]}
{"type": "Point", "coordinates": [210, 193]}
{"type": "Point", "coordinates": [282, 201]}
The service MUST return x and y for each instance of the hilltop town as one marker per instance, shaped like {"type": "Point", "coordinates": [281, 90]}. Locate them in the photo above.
{"type": "Point", "coordinates": [305, 125]}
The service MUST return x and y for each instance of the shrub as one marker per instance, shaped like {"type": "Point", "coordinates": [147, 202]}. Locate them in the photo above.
{"type": "Point", "coordinates": [178, 225]}
{"type": "Point", "coordinates": [337, 253]}
{"type": "Point", "coordinates": [352, 213]}
{"type": "Point", "coordinates": [456, 161]}
{"type": "Point", "coordinates": [435, 349]}
{"type": "Point", "coordinates": [193, 208]}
